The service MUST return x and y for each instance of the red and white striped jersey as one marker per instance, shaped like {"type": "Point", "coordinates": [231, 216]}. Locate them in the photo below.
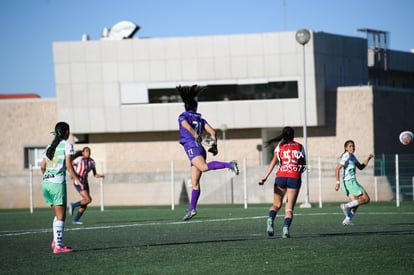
{"type": "Point", "coordinates": [83, 167]}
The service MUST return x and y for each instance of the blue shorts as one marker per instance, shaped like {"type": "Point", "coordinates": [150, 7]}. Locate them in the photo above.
{"type": "Point", "coordinates": [194, 150]}
{"type": "Point", "coordinates": [283, 182]}
{"type": "Point", "coordinates": [79, 188]}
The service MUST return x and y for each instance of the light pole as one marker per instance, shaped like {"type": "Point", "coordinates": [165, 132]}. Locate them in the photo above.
{"type": "Point", "coordinates": [302, 37]}
{"type": "Point", "coordinates": [223, 129]}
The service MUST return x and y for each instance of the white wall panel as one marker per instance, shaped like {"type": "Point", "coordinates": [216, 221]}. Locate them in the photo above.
{"type": "Point", "coordinates": [63, 73]}
{"type": "Point", "coordinates": [109, 71]}
{"type": "Point", "coordinates": [128, 119]}
{"type": "Point", "coordinates": [95, 95]}
{"type": "Point", "coordinates": [97, 120]}
{"type": "Point", "coordinates": [239, 66]}
{"type": "Point", "coordinates": [81, 119]}
{"type": "Point", "coordinates": [125, 71]}
{"type": "Point", "coordinates": [94, 72]}
{"type": "Point", "coordinates": [109, 50]}
{"type": "Point", "coordinates": [111, 95]}
{"type": "Point", "coordinates": [134, 93]}
{"type": "Point", "coordinates": [222, 68]}
{"type": "Point", "coordinates": [113, 119]}
{"type": "Point", "coordinates": [78, 73]}
{"type": "Point", "coordinates": [92, 50]}
{"type": "Point", "coordinates": [124, 50]}
{"type": "Point", "coordinates": [206, 68]}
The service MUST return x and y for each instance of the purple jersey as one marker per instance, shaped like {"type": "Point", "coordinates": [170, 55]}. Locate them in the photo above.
{"type": "Point", "coordinates": [196, 122]}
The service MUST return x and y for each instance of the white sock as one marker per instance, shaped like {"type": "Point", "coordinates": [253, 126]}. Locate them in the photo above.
{"type": "Point", "coordinates": [58, 228]}
{"type": "Point", "coordinates": [352, 204]}
{"type": "Point", "coordinates": [54, 230]}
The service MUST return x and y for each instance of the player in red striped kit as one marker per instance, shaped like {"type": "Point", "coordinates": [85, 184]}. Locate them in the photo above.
{"type": "Point", "coordinates": [290, 156]}
{"type": "Point", "coordinates": [83, 164]}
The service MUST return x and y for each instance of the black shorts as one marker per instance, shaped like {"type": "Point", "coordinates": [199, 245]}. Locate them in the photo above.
{"type": "Point", "coordinates": [283, 182]}
{"type": "Point", "coordinates": [79, 188]}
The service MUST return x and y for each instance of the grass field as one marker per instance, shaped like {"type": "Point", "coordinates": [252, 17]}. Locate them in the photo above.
{"type": "Point", "coordinates": [219, 240]}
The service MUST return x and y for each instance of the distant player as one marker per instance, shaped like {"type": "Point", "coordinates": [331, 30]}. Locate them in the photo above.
{"type": "Point", "coordinates": [56, 160]}
{"type": "Point", "coordinates": [291, 158]}
{"type": "Point", "coordinates": [350, 186]}
{"type": "Point", "coordinates": [192, 125]}
{"type": "Point", "coordinates": [83, 164]}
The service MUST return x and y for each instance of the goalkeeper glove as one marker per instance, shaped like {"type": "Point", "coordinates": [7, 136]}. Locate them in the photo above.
{"type": "Point", "coordinates": [213, 149]}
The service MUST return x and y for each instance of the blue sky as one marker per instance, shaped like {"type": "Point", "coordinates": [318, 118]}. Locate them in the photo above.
{"type": "Point", "coordinates": [29, 27]}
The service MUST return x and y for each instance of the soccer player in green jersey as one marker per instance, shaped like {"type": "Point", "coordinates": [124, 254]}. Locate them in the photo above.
{"type": "Point", "coordinates": [350, 186]}
{"type": "Point", "coordinates": [56, 160]}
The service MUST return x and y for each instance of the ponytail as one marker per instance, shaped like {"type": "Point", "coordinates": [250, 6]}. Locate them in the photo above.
{"type": "Point", "coordinates": [189, 94]}
{"type": "Point", "coordinates": [50, 153]}
{"type": "Point", "coordinates": [288, 134]}
{"type": "Point", "coordinates": [77, 154]}
{"type": "Point", "coordinates": [61, 132]}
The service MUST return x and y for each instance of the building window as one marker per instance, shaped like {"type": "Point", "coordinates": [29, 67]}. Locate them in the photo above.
{"type": "Point", "coordinates": [270, 90]}
{"type": "Point", "coordinates": [33, 156]}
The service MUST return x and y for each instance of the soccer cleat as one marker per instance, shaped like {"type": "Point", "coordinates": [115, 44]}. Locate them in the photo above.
{"type": "Point", "coordinates": [285, 233]}
{"type": "Point", "coordinates": [347, 221]}
{"type": "Point", "coordinates": [62, 249]}
{"type": "Point", "coordinates": [344, 209]}
{"type": "Point", "coordinates": [71, 209]}
{"type": "Point", "coordinates": [77, 222]}
{"type": "Point", "coordinates": [234, 167]}
{"type": "Point", "coordinates": [190, 214]}
{"type": "Point", "coordinates": [270, 230]}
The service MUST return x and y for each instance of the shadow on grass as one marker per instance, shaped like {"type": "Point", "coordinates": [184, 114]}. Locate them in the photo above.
{"type": "Point", "coordinates": [360, 233]}
{"type": "Point", "coordinates": [166, 244]}
{"type": "Point", "coordinates": [344, 231]}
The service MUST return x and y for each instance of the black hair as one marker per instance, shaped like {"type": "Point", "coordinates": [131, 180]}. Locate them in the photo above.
{"type": "Point", "coordinates": [188, 95]}
{"type": "Point", "coordinates": [79, 153]}
{"type": "Point", "coordinates": [348, 142]}
{"type": "Point", "coordinates": [61, 132]}
{"type": "Point", "coordinates": [288, 134]}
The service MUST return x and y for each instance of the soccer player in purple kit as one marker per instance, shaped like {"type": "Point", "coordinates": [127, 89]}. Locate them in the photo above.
{"type": "Point", "coordinates": [192, 125]}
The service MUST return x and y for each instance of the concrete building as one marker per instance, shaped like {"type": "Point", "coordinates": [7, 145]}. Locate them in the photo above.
{"type": "Point", "coordinates": [119, 98]}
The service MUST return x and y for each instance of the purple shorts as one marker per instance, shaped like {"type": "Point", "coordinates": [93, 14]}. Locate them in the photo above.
{"type": "Point", "coordinates": [195, 150]}
{"type": "Point", "coordinates": [283, 182]}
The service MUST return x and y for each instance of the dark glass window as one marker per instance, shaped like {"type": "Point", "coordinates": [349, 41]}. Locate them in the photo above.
{"type": "Point", "coordinates": [271, 90]}
{"type": "Point", "coordinates": [33, 156]}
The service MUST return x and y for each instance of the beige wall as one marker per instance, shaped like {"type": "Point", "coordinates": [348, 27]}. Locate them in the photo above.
{"type": "Point", "coordinates": [351, 119]}
{"type": "Point", "coordinates": [24, 122]}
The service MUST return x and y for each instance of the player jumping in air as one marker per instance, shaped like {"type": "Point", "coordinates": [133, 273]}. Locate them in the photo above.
{"type": "Point", "coordinates": [192, 125]}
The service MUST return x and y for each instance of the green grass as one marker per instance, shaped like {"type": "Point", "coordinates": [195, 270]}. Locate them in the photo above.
{"type": "Point", "coordinates": [219, 240]}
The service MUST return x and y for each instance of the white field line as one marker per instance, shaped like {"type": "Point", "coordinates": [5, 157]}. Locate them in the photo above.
{"type": "Point", "coordinates": [39, 231]}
